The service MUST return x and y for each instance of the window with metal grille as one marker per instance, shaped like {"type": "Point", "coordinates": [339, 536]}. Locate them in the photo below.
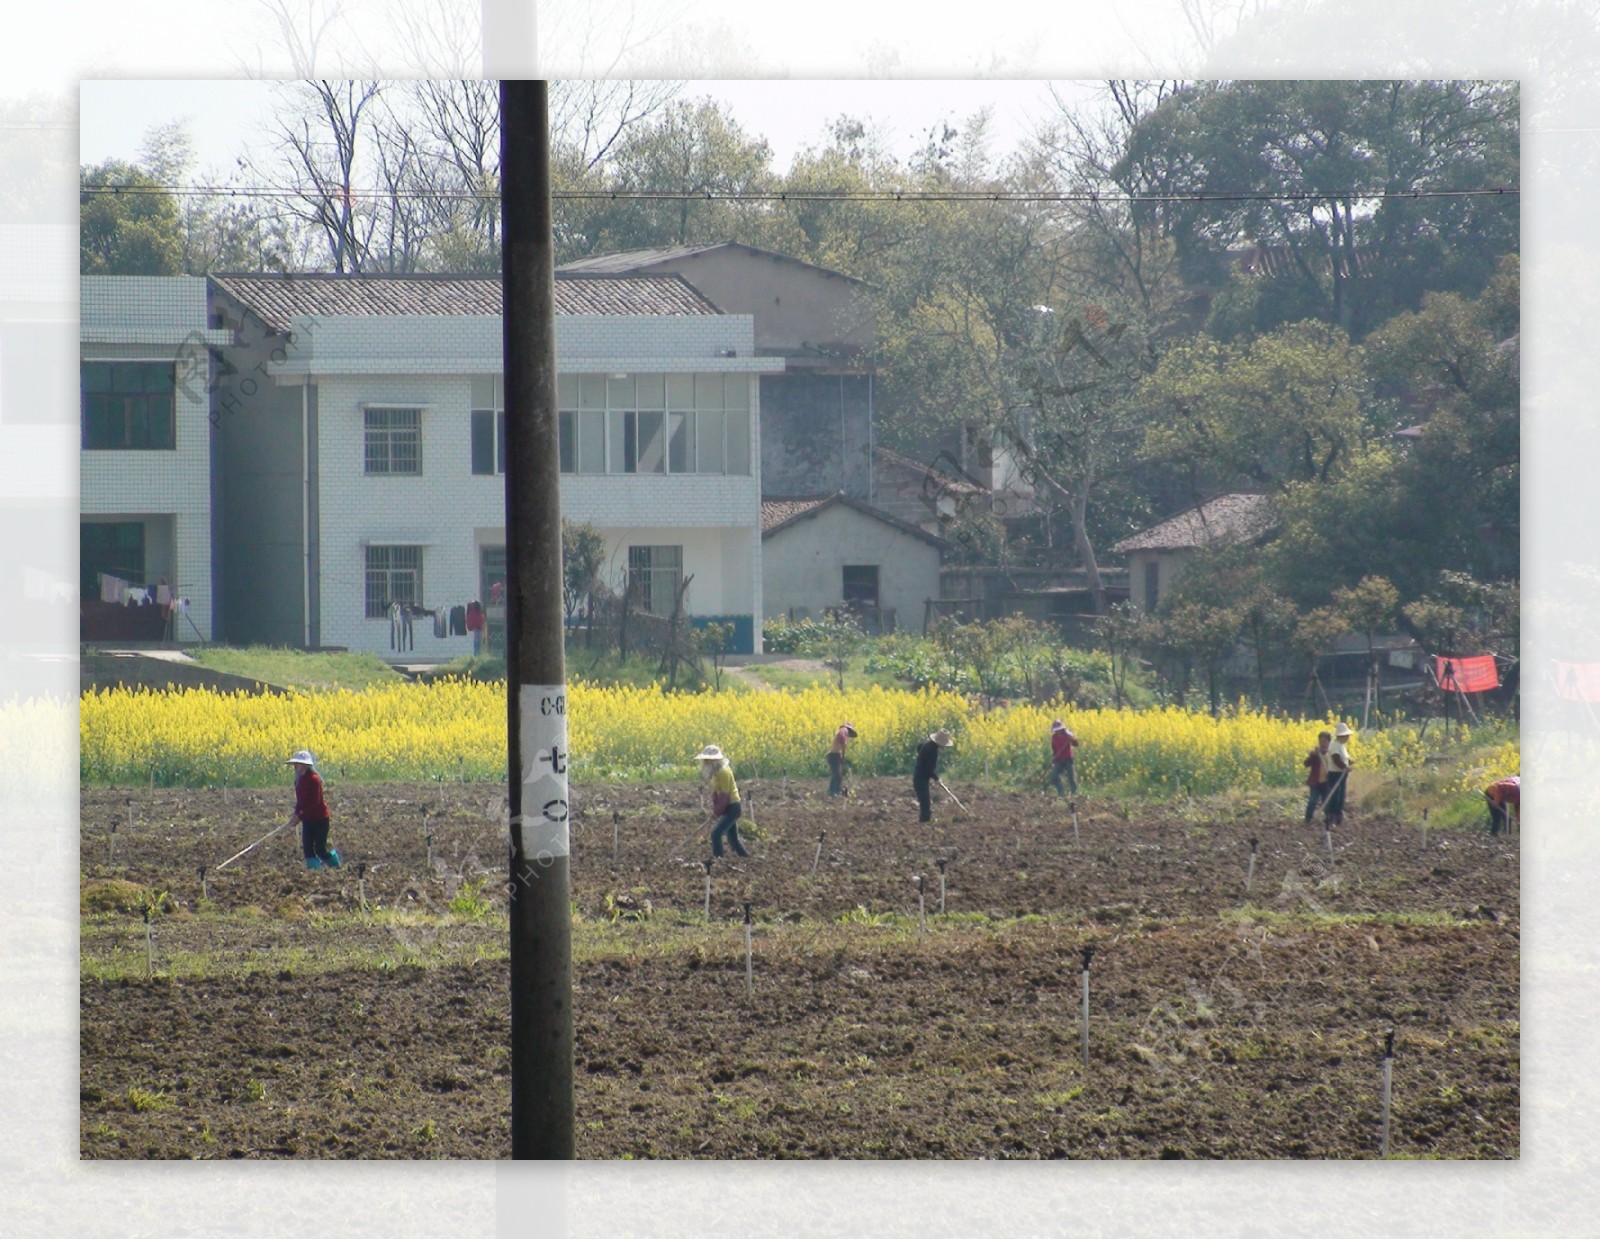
{"type": "Point", "coordinates": [128, 405]}
{"type": "Point", "coordinates": [394, 441]}
{"type": "Point", "coordinates": [654, 575]}
{"type": "Point", "coordinates": [394, 575]}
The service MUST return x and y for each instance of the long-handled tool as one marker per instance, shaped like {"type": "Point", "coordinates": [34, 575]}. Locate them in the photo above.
{"type": "Point", "coordinates": [952, 796]}
{"type": "Point", "coordinates": [257, 844]}
{"type": "Point", "coordinates": [679, 846]}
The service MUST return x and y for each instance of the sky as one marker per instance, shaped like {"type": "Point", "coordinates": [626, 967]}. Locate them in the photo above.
{"type": "Point", "coordinates": [227, 118]}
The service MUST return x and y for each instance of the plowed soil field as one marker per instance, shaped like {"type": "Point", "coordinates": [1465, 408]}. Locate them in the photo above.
{"type": "Point", "coordinates": [363, 1012]}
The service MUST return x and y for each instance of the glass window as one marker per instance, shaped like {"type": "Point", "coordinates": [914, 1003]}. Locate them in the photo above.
{"type": "Point", "coordinates": [738, 434]}
{"type": "Point", "coordinates": [115, 548]}
{"type": "Point", "coordinates": [652, 391]}
{"type": "Point", "coordinates": [567, 434]}
{"type": "Point", "coordinates": [128, 405]}
{"type": "Point", "coordinates": [394, 575]}
{"type": "Point", "coordinates": [591, 391]}
{"type": "Point", "coordinates": [654, 577]}
{"type": "Point", "coordinates": [708, 434]}
{"type": "Point", "coordinates": [567, 391]}
{"type": "Point", "coordinates": [651, 457]}
{"type": "Point", "coordinates": [483, 441]}
{"type": "Point", "coordinates": [394, 441]}
{"type": "Point", "coordinates": [619, 442]}
{"type": "Point", "coordinates": [621, 393]}
{"type": "Point", "coordinates": [681, 454]}
{"type": "Point", "coordinates": [736, 391]}
{"type": "Point", "coordinates": [708, 391]}
{"type": "Point", "coordinates": [592, 441]}
{"type": "Point", "coordinates": [680, 391]}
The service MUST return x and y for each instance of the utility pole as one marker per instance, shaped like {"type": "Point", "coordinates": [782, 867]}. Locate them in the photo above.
{"type": "Point", "coordinates": [536, 692]}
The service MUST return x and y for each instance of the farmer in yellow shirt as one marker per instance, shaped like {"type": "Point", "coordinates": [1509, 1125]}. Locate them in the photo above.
{"type": "Point", "coordinates": [725, 803]}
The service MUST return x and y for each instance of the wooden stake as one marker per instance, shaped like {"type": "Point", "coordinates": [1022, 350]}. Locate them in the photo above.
{"type": "Point", "coordinates": [707, 864]}
{"type": "Point", "coordinates": [149, 944]}
{"type": "Point", "coordinates": [616, 833]}
{"type": "Point", "coordinates": [749, 965]}
{"type": "Point", "coordinates": [922, 906]}
{"type": "Point", "coordinates": [1425, 830]}
{"type": "Point", "coordinates": [941, 864]}
{"type": "Point", "coordinates": [361, 883]}
{"type": "Point", "coordinates": [1088, 952]}
{"type": "Point", "coordinates": [1250, 877]}
{"type": "Point", "coordinates": [204, 893]}
{"type": "Point", "coordinates": [817, 860]}
{"type": "Point", "coordinates": [1388, 1076]}
{"type": "Point", "coordinates": [1074, 807]}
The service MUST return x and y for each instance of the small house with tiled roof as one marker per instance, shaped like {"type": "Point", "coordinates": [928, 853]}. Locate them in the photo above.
{"type": "Point", "coordinates": [822, 552]}
{"type": "Point", "coordinates": [1157, 555]}
{"type": "Point", "coordinates": [360, 452]}
{"type": "Point", "coordinates": [817, 411]}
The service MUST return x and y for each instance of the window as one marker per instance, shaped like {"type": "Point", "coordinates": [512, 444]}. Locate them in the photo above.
{"type": "Point", "coordinates": [394, 575]}
{"type": "Point", "coordinates": [115, 548]}
{"type": "Point", "coordinates": [654, 575]}
{"type": "Point", "coordinates": [488, 441]}
{"type": "Point", "coordinates": [1152, 583]}
{"type": "Point", "coordinates": [394, 441]}
{"type": "Point", "coordinates": [861, 586]}
{"type": "Point", "coordinates": [128, 405]}
{"type": "Point", "coordinates": [654, 424]}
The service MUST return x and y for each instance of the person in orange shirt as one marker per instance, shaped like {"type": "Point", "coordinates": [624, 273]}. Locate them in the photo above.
{"type": "Point", "coordinates": [841, 738]}
{"type": "Point", "coordinates": [1505, 798]}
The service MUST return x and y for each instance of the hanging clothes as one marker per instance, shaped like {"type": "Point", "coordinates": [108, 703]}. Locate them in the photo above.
{"type": "Point", "coordinates": [111, 588]}
{"type": "Point", "coordinates": [1473, 675]}
{"type": "Point", "coordinates": [440, 624]}
{"type": "Point", "coordinates": [458, 621]}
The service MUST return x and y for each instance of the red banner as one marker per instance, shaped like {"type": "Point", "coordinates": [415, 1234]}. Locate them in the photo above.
{"type": "Point", "coordinates": [1578, 682]}
{"type": "Point", "coordinates": [1474, 675]}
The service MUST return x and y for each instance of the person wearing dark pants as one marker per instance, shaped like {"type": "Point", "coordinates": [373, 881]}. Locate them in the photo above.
{"type": "Point", "coordinates": [841, 738]}
{"type": "Point", "coordinates": [311, 812]}
{"type": "Point", "coordinates": [927, 770]}
{"type": "Point", "coordinates": [1316, 764]}
{"type": "Point", "coordinates": [1338, 785]}
{"type": "Point", "coordinates": [725, 803]}
{"type": "Point", "coordinates": [1505, 799]}
{"type": "Point", "coordinates": [1063, 743]}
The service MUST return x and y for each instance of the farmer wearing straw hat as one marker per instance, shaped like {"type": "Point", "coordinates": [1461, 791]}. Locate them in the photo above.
{"type": "Point", "coordinates": [1339, 766]}
{"type": "Point", "coordinates": [927, 770]}
{"type": "Point", "coordinates": [1062, 744]}
{"type": "Point", "coordinates": [725, 804]}
{"type": "Point", "coordinates": [311, 812]}
{"type": "Point", "coordinates": [841, 738]}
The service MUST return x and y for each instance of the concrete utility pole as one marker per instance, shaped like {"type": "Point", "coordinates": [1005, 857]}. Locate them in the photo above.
{"type": "Point", "coordinates": [536, 691]}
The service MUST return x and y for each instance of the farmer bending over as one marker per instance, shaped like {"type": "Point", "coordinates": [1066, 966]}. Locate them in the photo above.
{"type": "Point", "coordinates": [725, 803]}
{"type": "Point", "coordinates": [311, 812]}
{"type": "Point", "coordinates": [841, 738]}
{"type": "Point", "coordinates": [1505, 798]}
{"type": "Point", "coordinates": [1317, 780]}
{"type": "Point", "coordinates": [927, 770]}
{"type": "Point", "coordinates": [1062, 744]}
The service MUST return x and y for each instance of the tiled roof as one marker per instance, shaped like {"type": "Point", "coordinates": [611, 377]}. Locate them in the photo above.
{"type": "Point", "coordinates": [775, 512]}
{"type": "Point", "coordinates": [1227, 518]}
{"type": "Point", "coordinates": [279, 299]}
{"type": "Point", "coordinates": [780, 512]}
{"type": "Point", "coordinates": [636, 260]}
{"type": "Point", "coordinates": [1275, 261]}
{"type": "Point", "coordinates": [948, 480]}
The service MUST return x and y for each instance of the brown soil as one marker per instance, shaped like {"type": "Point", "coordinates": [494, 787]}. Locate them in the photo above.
{"type": "Point", "coordinates": [1222, 1025]}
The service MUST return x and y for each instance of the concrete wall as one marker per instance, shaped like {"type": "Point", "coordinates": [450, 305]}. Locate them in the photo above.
{"type": "Point", "coordinates": [794, 306]}
{"type": "Point", "coordinates": [803, 565]}
{"type": "Point", "coordinates": [816, 434]}
{"type": "Point", "coordinates": [1169, 567]}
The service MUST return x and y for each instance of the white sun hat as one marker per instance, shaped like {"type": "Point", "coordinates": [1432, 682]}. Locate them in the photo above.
{"type": "Point", "coordinates": [711, 754]}
{"type": "Point", "coordinates": [302, 758]}
{"type": "Point", "coordinates": [1343, 731]}
{"type": "Point", "coordinates": [942, 739]}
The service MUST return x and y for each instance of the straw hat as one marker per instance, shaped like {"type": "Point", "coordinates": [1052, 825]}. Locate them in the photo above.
{"type": "Point", "coordinates": [1057, 726]}
{"type": "Point", "coordinates": [302, 758]}
{"type": "Point", "coordinates": [850, 729]}
{"type": "Point", "coordinates": [1343, 731]}
{"type": "Point", "coordinates": [942, 739]}
{"type": "Point", "coordinates": [711, 753]}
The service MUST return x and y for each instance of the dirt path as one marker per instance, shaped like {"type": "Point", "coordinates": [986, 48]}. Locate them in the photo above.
{"type": "Point", "coordinates": [750, 673]}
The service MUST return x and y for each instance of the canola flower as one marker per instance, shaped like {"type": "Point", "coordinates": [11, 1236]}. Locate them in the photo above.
{"type": "Point", "coordinates": [456, 729]}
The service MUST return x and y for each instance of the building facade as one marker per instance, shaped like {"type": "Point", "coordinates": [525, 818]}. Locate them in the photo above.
{"type": "Point", "coordinates": [146, 363]}
{"type": "Point", "coordinates": [361, 453]}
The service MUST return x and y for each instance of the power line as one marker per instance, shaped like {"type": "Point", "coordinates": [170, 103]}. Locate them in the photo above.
{"type": "Point", "coordinates": [851, 196]}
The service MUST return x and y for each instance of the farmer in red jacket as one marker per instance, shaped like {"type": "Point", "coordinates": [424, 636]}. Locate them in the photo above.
{"type": "Point", "coordinates": [1505, 798]}
{"type": "Point", "coordinates": [1063, 743]}
{"type": "Point", "coordinates": [311, 812]}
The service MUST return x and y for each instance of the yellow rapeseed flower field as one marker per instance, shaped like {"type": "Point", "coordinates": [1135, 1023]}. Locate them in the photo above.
{"type": "Point", "coordinates": [456, 729]}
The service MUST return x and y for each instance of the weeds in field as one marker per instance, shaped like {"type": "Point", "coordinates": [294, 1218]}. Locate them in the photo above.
{"type": "Point", "coordinates": [468, 900]}
{"type": "Point", "coordinates": [859, 916]}
{"type": "Point", "coordinates": [148, 1100]}
{"type": "Point", "coordinates": [255, 1091]}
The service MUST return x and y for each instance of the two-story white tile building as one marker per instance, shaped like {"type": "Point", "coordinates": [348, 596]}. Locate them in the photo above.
{"type": "Point", "coordinates": [360, 451]}
{"type": "Point", "coordinates": [145, 370]}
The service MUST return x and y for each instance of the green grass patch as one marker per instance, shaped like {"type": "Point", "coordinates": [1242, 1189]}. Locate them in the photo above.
{"type": "Point", "coordinates": [298, 669]}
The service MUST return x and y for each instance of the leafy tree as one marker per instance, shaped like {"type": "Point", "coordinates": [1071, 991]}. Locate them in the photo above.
{"type": "Point", "coordinates": [132, 228]}
{"type": "Point", "coordinates": [1368, 607]}
{"type": "Point", "coordinates": [583, 559]}
{"type": "Point", "coordinates": [712, 639]}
